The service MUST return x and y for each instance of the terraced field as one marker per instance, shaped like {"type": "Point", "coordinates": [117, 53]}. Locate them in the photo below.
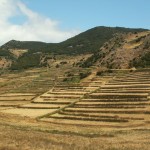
{"type": "Point", "coordinates": [25, 96]}
{"type": "Point", "coordinates": [38, 109]}
{"type": "Point", "coordinates": [112, 100]}
{"type": "Point", "coordinates": [121, 102]}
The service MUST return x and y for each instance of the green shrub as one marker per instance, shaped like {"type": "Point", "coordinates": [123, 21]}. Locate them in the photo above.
{"type": "Point", "coordinates": [26, 61]}
{"type": "Point", "coordinates": [84, 75]}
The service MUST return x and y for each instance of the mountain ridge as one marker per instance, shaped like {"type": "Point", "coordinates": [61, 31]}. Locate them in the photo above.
{"type": "Point", "coordinates": [88, 42]}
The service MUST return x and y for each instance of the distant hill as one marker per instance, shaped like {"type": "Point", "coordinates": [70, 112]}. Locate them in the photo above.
{"type": "Point", "coordinates": [88, 42]}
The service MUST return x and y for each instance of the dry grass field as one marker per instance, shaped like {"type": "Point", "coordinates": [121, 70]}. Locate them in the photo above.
{"type": "Point", "coordinates": [39, 110]}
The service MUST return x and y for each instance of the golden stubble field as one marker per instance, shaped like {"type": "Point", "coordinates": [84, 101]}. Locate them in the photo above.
{"type": "Point", "coordinates": [18, 133]}
{"type": "Point", "coordinates": [109, 112]}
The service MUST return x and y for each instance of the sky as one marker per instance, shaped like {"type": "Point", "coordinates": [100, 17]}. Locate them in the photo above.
{"type": "Point", "coordinates": [57, 20]}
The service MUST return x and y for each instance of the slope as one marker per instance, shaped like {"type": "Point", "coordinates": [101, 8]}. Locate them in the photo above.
{"type": "Point", "coordinates": [123, 51]}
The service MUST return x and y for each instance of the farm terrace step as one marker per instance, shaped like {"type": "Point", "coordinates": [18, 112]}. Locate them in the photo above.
{"type": "Point", "coordinates": [28, 112]}
{"type": "Point", "coordinates": [123, 91]}
{"type": "Point", "coordinates": [109, 106]}
{"type": "Point", "coordinates": [54, 102]}
{"type": "Point", "coordinates": [126, 86]}
{"type": "Point", "coordinates": [71, 117]}
{"type": "Point", "coordinates": [127, 83]}
{"type": "Point", "coordinates": [40, 106]}
{"type": "Point", "coordinates": [121, 116]}
{"type": "Point", "coordinates": [112, 103]}
{"type": "Point", "coordinates": [68, 92]}
{"type": "Point", "coordinates": [61, 96]}
{"type": "Point", "coordinates": [116, 100]}
{"type": "Point", "coordinates": [11, 103]}
{"type": "Point", "coordinates": [110, 111]}
{"type": "Point", "coordinates": [16, 98]}
{"type": "Point", "coordinates": [92, 123]}
{"type": "Point", "coordinates": [17, 94]}
{"type": "Point", "coordinates": [118, 95]}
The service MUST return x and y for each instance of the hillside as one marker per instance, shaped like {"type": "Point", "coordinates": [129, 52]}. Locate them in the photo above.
{"type": "Point", "coordinates": [31, 53]}
{"type": "Point", "coordinates": [123, 51]}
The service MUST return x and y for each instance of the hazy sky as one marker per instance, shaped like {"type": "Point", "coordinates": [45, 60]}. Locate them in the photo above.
{"type": "Point", "coordinates": [57, 20]}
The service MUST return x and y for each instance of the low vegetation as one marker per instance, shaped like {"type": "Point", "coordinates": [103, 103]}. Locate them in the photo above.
{"type": "Point", "coordinates": [88, 42]}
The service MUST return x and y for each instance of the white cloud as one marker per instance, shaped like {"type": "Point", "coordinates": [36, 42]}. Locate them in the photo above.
{"type": "Point", "coordinates": [35, 28]}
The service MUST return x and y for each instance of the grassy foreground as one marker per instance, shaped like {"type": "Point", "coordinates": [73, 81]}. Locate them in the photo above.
{"type": "Point", "coordinates": [18, 135]}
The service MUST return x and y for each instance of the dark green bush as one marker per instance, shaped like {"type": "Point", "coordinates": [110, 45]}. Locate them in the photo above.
{"type": "Point", "coordinates": [84, 75]}
{"type": "Point", "coordinates": [26, 61]}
